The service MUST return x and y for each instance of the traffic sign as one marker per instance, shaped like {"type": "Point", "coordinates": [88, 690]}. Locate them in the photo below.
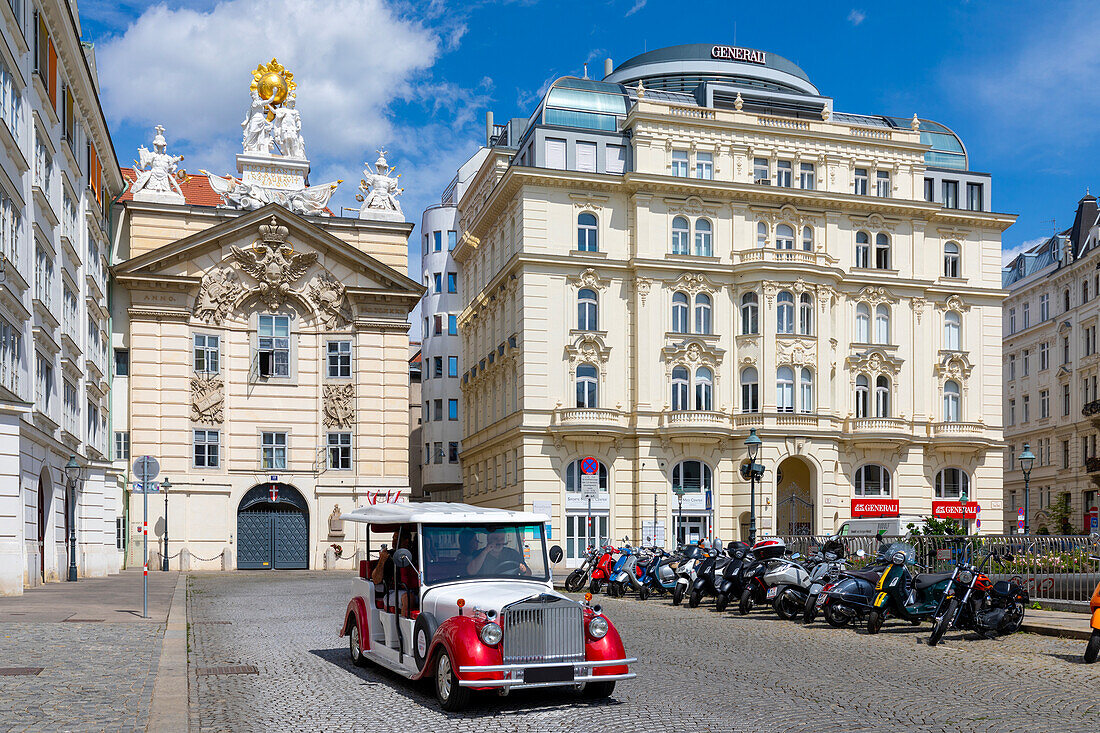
{"type": "Point", "coordinates": [147, 468]}
{"type": "Point", "coordinates": [590, 486]}
{"type": "Point", "coordinates": [590, 465]}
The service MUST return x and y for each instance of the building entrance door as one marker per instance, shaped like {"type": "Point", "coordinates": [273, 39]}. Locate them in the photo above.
{"type": "Point", "coordinates": [794, 507]}
{"type": "Point", "coordinates": [272, 529]}
{"type": "Point", "coordinates": [579, 536]}
{"type": "Point", "coordinates": [692, 528]}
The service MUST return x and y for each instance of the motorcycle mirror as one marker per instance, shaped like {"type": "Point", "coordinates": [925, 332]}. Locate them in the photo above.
{"type": "Point", "coordinates": [861, 553]}
{"type": "Point", "coordinates": [795, 556]}
{"type": "Point", "coordinates": [556, 553]}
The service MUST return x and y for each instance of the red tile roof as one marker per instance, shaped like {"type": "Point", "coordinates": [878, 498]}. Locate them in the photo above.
{"type": "Point", "coordinates": [196, 189]}
{"type": "Point", "coordinates": [415, 357]}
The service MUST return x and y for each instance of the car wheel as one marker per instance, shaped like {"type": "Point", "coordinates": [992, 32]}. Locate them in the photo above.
{"type": "Point", "coordinates": [451, 696]}
{"type": "Point", "coordinates": [874, 621]}
{"type": "Point", "coordinates": [598, 690]}
{"type": "Point", "coordinates": [355, 646]}
{"type": "Point", "coordinates": [1093, 648]}
{"type": "Point", "coordinates": [940, 625]}
{"type": "Point", "coordinates": [747, 602]}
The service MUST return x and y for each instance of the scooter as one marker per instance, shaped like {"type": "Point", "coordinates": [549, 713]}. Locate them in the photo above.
{"type": "Point", "coordinates": [733, 581]}
{"type": "Point", "coordinates": [766, 551]}
{"type": "Point", "coordinates": [601, 573]}
{"type": "Point", "coordinates": [782, 579]}
{"type": "Point", "coordinates": [660, 572]}
{"type": "Point", "coordinates": [628, 575]}
{"type": "Point", "coordinates": [686, 572]}
{"type": "Point", "coordinates": [707, 578]}
{"type": "Point", "coordinates": [914, 599]}
{"type": "Point", "coordinates": [1093, 648]}
{"type": "Point", "coordinates": [835, 568]}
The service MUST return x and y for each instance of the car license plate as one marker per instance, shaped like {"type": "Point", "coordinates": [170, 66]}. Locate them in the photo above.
{"type": "Point", "coordinates": [772, 593]}
{"type": "Point", "coordinates": [548, 674]}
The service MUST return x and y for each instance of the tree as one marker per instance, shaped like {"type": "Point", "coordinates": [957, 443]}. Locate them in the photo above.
{"type": "Point", "coordinates": [935, 526]}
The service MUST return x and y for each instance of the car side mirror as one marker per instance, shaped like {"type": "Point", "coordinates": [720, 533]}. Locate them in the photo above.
{"type": "Point", "coordinates": [403, 558]}
{"type": "Point", "coordinates": [556, 553]}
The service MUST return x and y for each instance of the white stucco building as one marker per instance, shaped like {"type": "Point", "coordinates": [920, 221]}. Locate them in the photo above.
{"type": "Point", "coordinates": [59, 174]}
{"type": "Point", "coordinates": [699, 245]}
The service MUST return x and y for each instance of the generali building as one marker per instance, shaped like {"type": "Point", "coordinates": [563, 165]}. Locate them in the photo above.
{"type": "Point", "coordinates": [699, 245]}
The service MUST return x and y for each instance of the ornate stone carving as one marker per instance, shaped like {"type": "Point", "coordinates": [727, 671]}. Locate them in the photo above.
{"type": "Point", "coordinates": [218, 291]}
{"type": "Point", "coordinates": [953, 365]}
{"type": "Point", "coordinates": [589, 279]}
{"type": "Point", "coordinates": [588, 348]}
{"type": "Point", "coordinates": [378, 191]}
{"type": "Point", "coordinates": [330, 297]}
{"type": "Point", "coordinates": [207, 399]}
{"type": "Point", "coordinates": [918, 307]}
{"type": "Point", "coordinates": [339, 408]}
{"type": "Point", "coordinates": [642, 286]}
{"type": "Point", "coordinates": [311, 201]}
{"type": "Point", "coordinates": [274, 264]}
{"type": "Point", "coordinates": [875, 295]}
{"type": "Point", "coordinates": [874, 360]}
{"type": "Point", "coordinates": [588, 202]}
{"type": "Point", "coordinates": [694, 282]}
{"type": "Point", "coordinates": [692, 206]}
{"type": "Point", "coordinates": [954, 303]}
{"type": "Point", "coordinates": [802, 352]}
{"type": "Point", "coordinates": [692, 352]}
{"type": "Point", "coordinates": [157, 173]}
{"type": "Point", "coordinates": [874, 222]}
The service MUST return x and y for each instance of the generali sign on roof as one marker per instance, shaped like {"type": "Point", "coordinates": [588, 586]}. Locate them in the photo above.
{"type": "Point", "coordinates": [736, 53]}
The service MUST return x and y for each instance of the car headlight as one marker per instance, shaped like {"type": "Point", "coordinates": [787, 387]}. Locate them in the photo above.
{"type": "Point", "coordinates": [491, 634]}
{"type": "Point", "coordinates": [597, 627]}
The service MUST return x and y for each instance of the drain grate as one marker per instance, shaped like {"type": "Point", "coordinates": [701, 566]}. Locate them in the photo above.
{"type": "Point", "coordinates": [83, 620]}
{"type": "Point", "coordinates": [231, 669]}
{"type": "Point", "coordinates": [20, 671]}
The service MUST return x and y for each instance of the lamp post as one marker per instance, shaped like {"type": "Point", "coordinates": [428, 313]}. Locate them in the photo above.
{"type": "Point", "coordinates": [164, 486]}
{"type": "Point", "coordinates": [74, 474]}
{"type": "Point", "coordinates": [1027, 460]}
{"type": "Point", "coordinates": [753, 443]}
{"type": "Point", "coordinates": [679, 491]}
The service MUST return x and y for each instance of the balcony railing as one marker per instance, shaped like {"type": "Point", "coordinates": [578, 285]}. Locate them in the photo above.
{"type": "Point", "coordinates": [696, 419]}
{"type": "Point", "coordinates": [770, 254]}
{"type": "Point", "coordinates": [879, 425]}
{"type": "Point", "coordinates": [957, 428]}
{"type": "Point", "coordinates": [1092, 465]}
{"type": "Point", "coordinates": [589, 416]}
{"type": "Point", "coordinates": [1091, 408]}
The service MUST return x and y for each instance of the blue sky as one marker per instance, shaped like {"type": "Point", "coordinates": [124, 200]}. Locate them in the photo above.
{"type": "Point", "coordinates": [1016, 80]}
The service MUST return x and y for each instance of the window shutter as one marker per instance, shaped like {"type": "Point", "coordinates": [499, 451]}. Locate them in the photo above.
{"type": "Point", "coordinates": [51, 80]}
{"type": "Point", "coordinates": [616, 159]}
{"type": "Point", "coordinates": [586, 157]}
{"type": "Point", "coordinates": [555, 153]}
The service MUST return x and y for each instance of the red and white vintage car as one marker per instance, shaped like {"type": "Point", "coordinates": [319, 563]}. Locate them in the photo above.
{"type": "Point", "coordinates": [467, 599]}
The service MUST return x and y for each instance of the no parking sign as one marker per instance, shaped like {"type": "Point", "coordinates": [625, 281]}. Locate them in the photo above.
{"type": "Point", "coordinates": [590, 465]}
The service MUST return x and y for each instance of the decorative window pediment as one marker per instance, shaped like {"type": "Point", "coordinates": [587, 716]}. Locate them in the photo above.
{"type": "Point", "coordinates": [692, 352]}
{"type": "Point", "coordinates": [589, 279]}
{"type": "Point", "coordinates": [874, 360]}
{"type": "Point", "coordinates": [588, 202]}
{"type": "Point", "coordinates": [874, 296]}
{"type": "Point", "coordinates": [875, 222]}
{"type": "Point", "coordinates": [953, 303]}
{"type": "Point", "coordinates": [954, 366]}
{"type": "Point", "coordinates": [692, 206]}
{"type": "Point", "coordinates": [692, 283]}
{"type": "Point", "coordinates": [588, 348]}
{"type": "Point", "coordinates": [954, 234]}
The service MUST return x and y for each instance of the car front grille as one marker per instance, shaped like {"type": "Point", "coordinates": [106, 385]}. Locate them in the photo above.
{"type": "Point", "coordinates": [543, 629]}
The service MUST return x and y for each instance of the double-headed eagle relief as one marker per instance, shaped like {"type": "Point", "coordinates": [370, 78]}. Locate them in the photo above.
{"type": "Point", "coordinates": [274, 264]}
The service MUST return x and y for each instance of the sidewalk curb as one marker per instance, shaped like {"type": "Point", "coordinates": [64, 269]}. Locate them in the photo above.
{"type": "Point", "coordinates": [169, 709]}
{"type": "Point", "coordinates": [1045, 630]}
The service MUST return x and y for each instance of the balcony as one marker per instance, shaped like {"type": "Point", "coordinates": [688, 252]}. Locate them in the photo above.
{"type": "Point", "coordinates": [798, 257]}
{"type": "Point", "coordinates": [962, 436]}
{"type": "Point", "coordinates": [696, 426]}
{"type": "Point", "coordinates": [878, 431]}
{"type": "Point", "coordinates": [589, 423]}
{"type": "Point", "coordinates": [1091, 410]}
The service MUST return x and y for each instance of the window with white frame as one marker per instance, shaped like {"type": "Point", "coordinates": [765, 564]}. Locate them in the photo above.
{"type": "Point", "coordinates": [882, 251]}
{"type": "Point", "coordinates": [784, 237]}
{"type": "Point", "coordinates": [784, 173]}
{"type": "Point", "coordinates": [680, 389]}
{"type": "Point", "coordinates": [872, 480]}
{"type": "Point", "coordinates": [750, 390]}
{"type": "Point", "coordinates": [951, 483]}
{"type": "Point", "coordinates": [587, 310]}
{"type": "Point", "coordinates": [863, 396]}
{"type": "Point", "coordinates": [784, 312]}
{"type": "Point", "coordinates": [10, 226]}
{"type": "Point", "coordinates": [806, 176]}
{"type": "Point", "coordinates": [43, 276]}
{"type": "Point", "coordinates": [863, 324]}
{"type": "Point", "coordinates": [274, 346]}
{"type": "Point", "coordinates": [92, 435]}
{"type": "Point", "coordinates": [1044, 306]}
{"type": "Point", "coordinates": [761, 235]}
{"type": "Point", "coordinates": [882, 184]}
{"type": "Point", "coordinates": [882, 324]}
{"type": "Point", "coordinates": [951, 260]}
{"type": "Point", "coordinates": [273, 450]}
{"type": "Point", "coordinates": [207, 444]}
{"type": "Point", "coordinates": [704, 389]}
{"type": "Point", "coordinates": [952, 331]}
{"type": "Point", "coordinates": [680, 163]}
{"type": "Point", "coordinates": [681, 236]}
{"type": "Point", "coordinates": [43, 384]}
{"type": "Point", "coordinates": [72, 408]}
{"type": "Point", "coordinates": [702, 313]}
{"type": "Point", "coordinates": [704, 246]}
{"type": "Point", "coordinates": [1044, 356]}
{"type": "Point", "coordinates": [679, 312]}
{"type": "Point", "coordinates": [806, 391]}
{"type": "Point", "coordinates": [43, 167]}
{"type": "Point", "coordinates": [10, 99]}
{"type": "Point", "coordinates": [859, 186]}
{"type": "Point", "coordinates": [951, 397]}
{"type": "Point", "coordinates": [806, 314]}
{"type": "Point", "coordinates": [1044, 403]}
{"type": "Point", "coordinates": [122, 445]}
{"type": "Point", "coordinates": [704, 166]}
{"type": "Point", "coordinates": [863, 250]}
{"type": "Point", "coordinates": [882, 396]}
{"type": "Point", "coordinates": [339, 451]}
{"type": "Point", "coordinates": [587, 232]}
{"type": "Point", "coordinates": [750, 314]}
{"type": "Point", "coordinates": [691, 477]}
{"type": "Point", "coordinates": [587, 386]}
{"type": "Point", "coordinates": [207, 352]}
{"type": "Point", "coordinates": [761, 171]}
{"type": "Point", "coordinates": [339, 359]}
{"type": "Point", "coordinates": [784, 389]}
{"type": "Point", "coordinates": [807, 239]}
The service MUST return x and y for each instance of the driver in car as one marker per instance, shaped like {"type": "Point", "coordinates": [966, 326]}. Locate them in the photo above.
{"type": "Point", "coordinates": [496, 558]}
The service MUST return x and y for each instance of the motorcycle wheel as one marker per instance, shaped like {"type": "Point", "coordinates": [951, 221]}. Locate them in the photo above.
{"type": "Point", "coordinates": [785, 608]}
{"type": "Point", "coordinates": [939, 625]}
{"type": "Point", "coordinates": [747, 602]}
{"type": "Point", "coordinates": [874, 621]}
{"type": "Point", "coordinates": [677, 594]}
{"type": "Point", "coordinates": [720, 602]}
{"type": "Point", "coordinates": [1093, 649]}
{"type": "Point", "coordinates": [574, 581]}
{"type": "Point", "coordinates": [643, 593]}
{"type": "Point", "coordinates": [1017, 610]}
{"type": "Point", "coordinates": [836, 617]}
{"type": "Point", "coordinates": [693, 599]}
{"type": "Point", "coordinates": [809, 612]}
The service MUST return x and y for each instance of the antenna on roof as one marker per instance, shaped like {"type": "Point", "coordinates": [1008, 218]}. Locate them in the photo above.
{"type": "Point", "coordinates": [585, 69]}
{"type": "Point", "coordinates": [1053, 226]}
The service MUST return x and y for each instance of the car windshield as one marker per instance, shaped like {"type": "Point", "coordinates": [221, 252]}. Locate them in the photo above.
{"type": "Point", "coordinates": [464, 551]}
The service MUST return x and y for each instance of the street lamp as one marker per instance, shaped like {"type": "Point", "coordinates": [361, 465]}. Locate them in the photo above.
{"type": "Point", "coordinates": [752, 471]}
{"type": "Point", "coordinates": [75, 474]}
{"type": "Point", "coordinates": [1027, 460]}
{"type": "Point", "coordinates": [164, 486]}
{"type": "Point", "coordinates": [679, 491]}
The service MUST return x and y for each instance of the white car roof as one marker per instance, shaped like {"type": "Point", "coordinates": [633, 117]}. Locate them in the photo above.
{"type": "Point", "coordinates": [437, 512]}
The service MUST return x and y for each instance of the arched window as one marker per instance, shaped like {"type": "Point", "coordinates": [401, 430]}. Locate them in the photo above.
{"type": "Point", "coordinates": [950, 401]}
{"type": "Point", "coordinates": [882, 252]}
{"type": "Point", "coordinates": [882, 324]}
{"type": "Point", "coordinates": [750, 390]}
{"type": "Point", "coordinates": [784, 389]}
{"type": "Point", "coordinates": [784, 313]}
{"type": "Point", "coordinates": [806, 391]}
{"type": "Point", "coordinates": [950, 260]}
{"type": "Point", "coordinates": [882, 396]}
{"type": "Point", "coordinates": [702, 313]}
{"type": "Point", "coordinates": [573, 476]}
{"type": "Point", "coordinates": [679, 313]}
{"type": "Point", "coordinates": [784, 237]}
{"type": "Point", "coordinates": [951, 483]}
{"type": "Point", "coordinates": [952, 330]}
{"type": "Point", "coordinates": [680, 236]}
{"type": "Point", "coordinates": [863, 250]}
{"type": "Point", "coordinates": [807, 239]}
{"type": "Point", "coordinates": [863, 324]}
{"type": "Point", "coordinates": [692, 477]}
{"type": "Point", "coordinates": [863, 396]}
{"type": "Point", "coordinates": [704, 389]}
{"type": "Point", "coordinates": [761, 235]}
{"type": "Point", "coordinates": [587, 232]}
{"type": "Point", "coordinates": [587, 386]}
{"type": "Point", "coordinates": [805, 314]}
{"type": "Point", "coordinates": [703, 242]}
{"type": "Point", "coordinates": [872, 480]}
{"type": "Point", "coordinates": [587, 310]}
{"type": "Point", "coordinates": [680, 389]}
{"type": "Point", "coordinates": [750, 314]}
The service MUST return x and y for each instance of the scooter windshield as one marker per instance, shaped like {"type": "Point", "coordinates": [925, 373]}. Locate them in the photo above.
{"type": "Point", "coordinates": [909, 550]}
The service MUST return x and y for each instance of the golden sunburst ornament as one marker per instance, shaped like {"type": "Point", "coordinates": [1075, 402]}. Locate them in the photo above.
{"type": "Point", "coordinates": [272, 80]}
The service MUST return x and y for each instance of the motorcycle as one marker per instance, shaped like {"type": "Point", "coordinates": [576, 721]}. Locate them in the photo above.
{"type": "Point", "coordinates": [581, 575]}
{"type": "Point", "coordinates": [914, 599]}
{"type": "Point", "coordinates": [834, 569]}
{"type": "Point", "coordinates": [733, 580]}
{"type": "Point", "coordinates": [710, 570]}
{"type": "Point", "coordinates": [755, 590]}
{"type": "Point", "coordinates": [1093, 647]}
{"type": "Point", "coordinates": [991, 609]}
{"type": "Point", "coordinates": [686, 571]}
{"type": "Point", "coordinates": [622, 572]}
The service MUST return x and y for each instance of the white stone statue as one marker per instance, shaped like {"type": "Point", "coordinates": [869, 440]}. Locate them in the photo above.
{"type": "Point", "coordinates": [239, 194]}
{"type": "Point", "coordinates": [379, 191]}
{"type": "Point", "coordinates": [287, 128]}
{"type": "Point", "coordinates": [156, 172]}
{"type": "Point", "coordinates": [257, 128]}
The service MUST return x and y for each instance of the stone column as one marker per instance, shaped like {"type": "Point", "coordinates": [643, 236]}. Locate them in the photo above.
{"type": "Point", "coordinates": [12, 563]}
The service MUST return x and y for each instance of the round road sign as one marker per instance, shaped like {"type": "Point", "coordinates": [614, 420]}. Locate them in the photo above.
{"type": "Point", "coordinates": [590, 465]}
{"type": "Point", "coordinates": [146, 468]}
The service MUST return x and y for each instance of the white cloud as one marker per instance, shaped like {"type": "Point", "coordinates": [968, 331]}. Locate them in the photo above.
{"type": "Point", "coordinates": [638, 5]}
{"type": "Point", "coordinates": [1010, 253]}
{"type": "Point", "coordinates": [856, 16]}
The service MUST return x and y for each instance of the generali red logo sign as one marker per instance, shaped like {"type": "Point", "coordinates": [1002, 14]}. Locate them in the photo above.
{"type": "Point", "coordinates": [875, 508]}
{"type": "Point", "coordinates": [954, 510]}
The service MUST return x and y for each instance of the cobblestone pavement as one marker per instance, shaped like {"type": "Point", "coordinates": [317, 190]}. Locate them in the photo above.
{"type": "Point", "coordinates": [698, 671]}
{"type": "Point", "coordinates": [95, 677]}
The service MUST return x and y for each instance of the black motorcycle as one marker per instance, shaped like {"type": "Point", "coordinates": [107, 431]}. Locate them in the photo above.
{"type": "Point", "coordinates": [709, 575]}
{"type": "Point", "coordinates": [973, 602]}
{"type": "Point", "coordinates": [733, 575]}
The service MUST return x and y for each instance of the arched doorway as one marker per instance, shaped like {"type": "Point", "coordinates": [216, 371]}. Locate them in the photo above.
{"type": "Point", "coordinates": [273, 529]}
{"type": "Point", "coordinates": [794, 498]}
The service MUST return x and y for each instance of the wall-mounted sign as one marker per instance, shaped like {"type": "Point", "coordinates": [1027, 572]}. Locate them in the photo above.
{"type": "Point", "coordinates": [875, 508]}
{"type": "Point", "coordinates": [735, 53]}
{"type": "Point", "coordinates": [954, 510]}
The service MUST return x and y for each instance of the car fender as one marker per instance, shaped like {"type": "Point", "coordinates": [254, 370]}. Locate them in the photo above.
{"type": "Point", "coordinates": [1096, 619]}
{"type": "Point", "coordinates": [458, 635]}
{"type": "Point", "coordinates": [609, 647]}
{"type": "Point", "coordinates": [358, 607]}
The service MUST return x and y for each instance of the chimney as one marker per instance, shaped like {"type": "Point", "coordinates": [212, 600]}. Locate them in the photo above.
{"type": "Point", "coordinates": [488, 128]}
{"type": "Point", "coordinates": [608, 67]}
